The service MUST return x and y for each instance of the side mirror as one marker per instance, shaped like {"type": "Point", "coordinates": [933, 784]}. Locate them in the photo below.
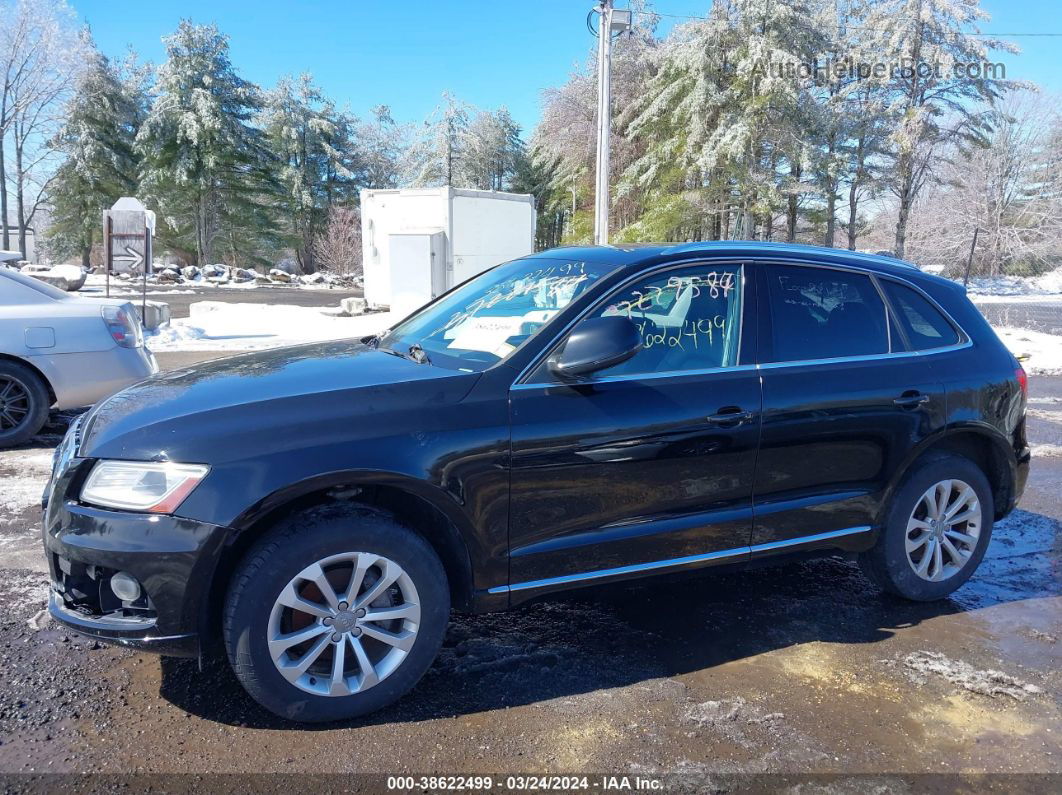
{"type": "Point", "coordinates": [596, 344]}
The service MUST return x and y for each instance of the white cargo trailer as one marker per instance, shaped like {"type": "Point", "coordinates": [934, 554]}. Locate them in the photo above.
{"type": "Point", "coordinates": [418, 243]}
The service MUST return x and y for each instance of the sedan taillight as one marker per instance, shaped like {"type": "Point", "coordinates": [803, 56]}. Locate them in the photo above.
{"type": "Point", "coordinates": [123, 325]}
{"type": "Point", "coordinates": [1023, 380]}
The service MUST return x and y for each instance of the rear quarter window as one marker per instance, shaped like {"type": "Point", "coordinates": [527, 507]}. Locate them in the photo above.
{"type": "Point", "coordinates": [923, 323]}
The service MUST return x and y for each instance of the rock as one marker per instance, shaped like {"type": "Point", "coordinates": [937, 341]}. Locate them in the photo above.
{"type": "Point", "coordinates": [312, 278]}
{"type": "Point", "coordinates": [155, 314]}
{"type": "Point", "coordinates": [169, 277]}
{"type": "Point", "coordinates": [261, 278]}
{"type": "Point", "coordinates": [242, 275]}
{"type": "Point", "coordinates": [353, 306]}
{"type": "Point", "coordinates": [191, 272]}
{"type": "Point", "coordinates": [279, 276]}
{"type": "Point", "coordinates": [59, 281]}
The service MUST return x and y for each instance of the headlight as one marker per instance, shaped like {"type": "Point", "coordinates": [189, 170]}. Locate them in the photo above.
{"type": "Point", "coordinates": [141, 485]}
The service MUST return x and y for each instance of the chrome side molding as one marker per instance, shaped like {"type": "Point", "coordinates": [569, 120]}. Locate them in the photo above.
{"type": "Point", "coordinates": [679, 563]}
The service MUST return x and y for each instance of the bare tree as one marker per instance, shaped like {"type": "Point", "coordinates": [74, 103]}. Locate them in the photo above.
{"type": "Point", "coordinates": [40, 55]}
{"type": "Point", "coordinates": [1010, 190]}
{"type": "Point", "coordinates": [338, 245]}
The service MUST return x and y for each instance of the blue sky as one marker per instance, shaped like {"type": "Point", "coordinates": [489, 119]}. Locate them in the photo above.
{"type": "Point", "coordinates": [405, 53]}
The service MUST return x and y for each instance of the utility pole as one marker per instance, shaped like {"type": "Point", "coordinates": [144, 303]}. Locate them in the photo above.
{"type": "Point", "coordinates": [610, 20]}
{"type": "Point", "coordinates": [969, 259]}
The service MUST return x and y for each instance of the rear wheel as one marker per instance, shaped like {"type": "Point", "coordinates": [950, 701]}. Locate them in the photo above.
{"type": "Point", "coordinates": [936, 532]}
{"type": "Point", "coordinates": [24, 403]}
{"type": "Point", "coordinates": [337, 612]}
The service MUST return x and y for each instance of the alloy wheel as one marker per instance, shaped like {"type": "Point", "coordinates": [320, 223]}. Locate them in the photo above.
{"type": "Point", "coordinates": [943, 530]}
{"type": "Point", "coordinates": [14, 403]}
{"type": "Point", "coordinates": [343, 624]}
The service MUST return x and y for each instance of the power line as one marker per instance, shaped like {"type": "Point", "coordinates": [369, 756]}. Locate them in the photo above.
{"type": "Point", "coordinates": [866, 27]}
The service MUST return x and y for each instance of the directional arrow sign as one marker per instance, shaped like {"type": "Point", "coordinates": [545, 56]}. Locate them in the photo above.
{"type": "Point", "coordinates": [132, 256]}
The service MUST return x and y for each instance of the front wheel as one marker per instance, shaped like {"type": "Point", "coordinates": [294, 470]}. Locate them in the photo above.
{"type": "Point", "coordinates": [936, 531]}
{"type": "Point", "coordinates": [335, 613]}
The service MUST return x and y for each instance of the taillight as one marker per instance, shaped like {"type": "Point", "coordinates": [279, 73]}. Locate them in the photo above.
{"type": "Point", "coordinates": [123, 325]}
{"type": "Point", "coordinates": [1023, 381]}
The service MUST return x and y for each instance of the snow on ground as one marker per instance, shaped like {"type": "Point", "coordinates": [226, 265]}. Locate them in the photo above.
{"type": "Point", "coordinates": [25, 484]}
{"type": "Point", "coordinates": [216, 325]}
{"type": "Point", "coordinates": [97, 282]}
{"type": "Point", "coordinates": [1043, 351]}
{"type": "Point", "coordinates": [1026, 298]}
{"type": "Point", "coordinates": [1049, 283]}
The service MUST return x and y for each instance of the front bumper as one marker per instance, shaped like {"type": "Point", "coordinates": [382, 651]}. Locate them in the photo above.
{"type": "Point", "coordinates": [173, 559]}
{"type": "Point", "coordinates": [131, 632]}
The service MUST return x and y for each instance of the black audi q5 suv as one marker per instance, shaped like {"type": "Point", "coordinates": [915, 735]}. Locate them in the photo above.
{"type": "Point", "coordinates": [578, 416]}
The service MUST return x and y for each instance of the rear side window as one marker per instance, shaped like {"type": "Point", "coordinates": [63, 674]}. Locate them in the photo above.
{"type": "Point", "coordinates": [821, 313]}
{"type": "Point", "coordinates": [926, 327]}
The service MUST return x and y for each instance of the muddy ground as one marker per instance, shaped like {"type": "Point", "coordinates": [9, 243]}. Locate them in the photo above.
{"type": "Point", "coordinates": [796, 669]}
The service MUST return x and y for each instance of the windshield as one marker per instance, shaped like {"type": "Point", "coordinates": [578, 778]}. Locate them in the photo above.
{"type": "Point", "coordinates": [489, 317]}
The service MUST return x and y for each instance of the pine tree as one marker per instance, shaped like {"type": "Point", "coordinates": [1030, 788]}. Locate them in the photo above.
{"type": "Point", "coordinates": [98, 140]}
{"type": "Point", "coordinates": [205, 167]}
{"type": "Point", "coordinates": [438, 158]}
{"type": "Point", "coordinates": [382, 149]}
{"type": "Point", "coordinates": [494, 150]}
{"type": "Point", "coordinates": [313, 142]}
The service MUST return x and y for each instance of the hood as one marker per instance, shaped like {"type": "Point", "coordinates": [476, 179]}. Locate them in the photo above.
{"type": "Point", "coordinates": [287, 397]}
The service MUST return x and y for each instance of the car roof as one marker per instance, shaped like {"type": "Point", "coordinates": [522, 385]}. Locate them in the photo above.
{"type": "Point", "coordinates": [642, 254]}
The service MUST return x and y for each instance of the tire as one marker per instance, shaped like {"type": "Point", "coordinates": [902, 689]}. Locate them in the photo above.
{"type": "Point", "coordinates": [342, 538]}
{"type": "Point", "coordinates": [24, 403]}
{"type": "Point", "coordinates": [909, 520]}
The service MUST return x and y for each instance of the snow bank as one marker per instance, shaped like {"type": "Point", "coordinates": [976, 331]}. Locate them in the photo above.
{"type": "Point", "coordinates": [1049, 283]}
{"type": "Point", "coordinates": [216, 326]}
{"type": "Point", "coordinates": [1044, 351]}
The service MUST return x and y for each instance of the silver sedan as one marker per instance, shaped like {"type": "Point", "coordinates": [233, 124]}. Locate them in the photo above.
{"type": "Point", "coordinates": [62, 350]}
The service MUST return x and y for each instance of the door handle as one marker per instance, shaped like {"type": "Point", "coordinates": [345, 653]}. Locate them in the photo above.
{"type": "Point", "coordinates": [731, 416]}
{"type": "Point", "coordinates": [911, 401]}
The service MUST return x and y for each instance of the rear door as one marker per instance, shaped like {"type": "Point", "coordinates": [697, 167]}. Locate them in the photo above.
{"type": "Point", "coordinates": [648, 465]}
{"type": "Point", "coordinates": [844, 401]}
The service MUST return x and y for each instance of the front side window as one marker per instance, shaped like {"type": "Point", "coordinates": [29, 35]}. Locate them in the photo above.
{"type": "Point", "coordinates": [925, 327]}
{"type": "Point", "coordinates": [490, 316]}
{"type": "Point", "coordinates": [822, 313]}
{"type": "Point", "coordinates": [689, 319]}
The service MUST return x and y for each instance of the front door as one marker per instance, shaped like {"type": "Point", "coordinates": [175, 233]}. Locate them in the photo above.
{"type": "Point", "coordinates": [647, 465]}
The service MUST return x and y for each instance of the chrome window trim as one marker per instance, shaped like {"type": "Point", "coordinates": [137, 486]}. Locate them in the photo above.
{"type": "Point", "coordinates": [864, 358]}
{"type": "Point", "coordinates": [965, 340]}
{"type": "Point", "coordinates": [669, 563]}
{"type": "Point", "coordinates": [748, 367]}
{"type": "Point", "coordinates": [676, 265]}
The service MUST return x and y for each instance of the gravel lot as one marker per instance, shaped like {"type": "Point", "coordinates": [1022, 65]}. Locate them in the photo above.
{"type": "Point", "coordinates": [795, 669]}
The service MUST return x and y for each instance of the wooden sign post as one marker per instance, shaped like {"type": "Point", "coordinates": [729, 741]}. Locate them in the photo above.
{"type": "Point", "coordinates": [128, 229]}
